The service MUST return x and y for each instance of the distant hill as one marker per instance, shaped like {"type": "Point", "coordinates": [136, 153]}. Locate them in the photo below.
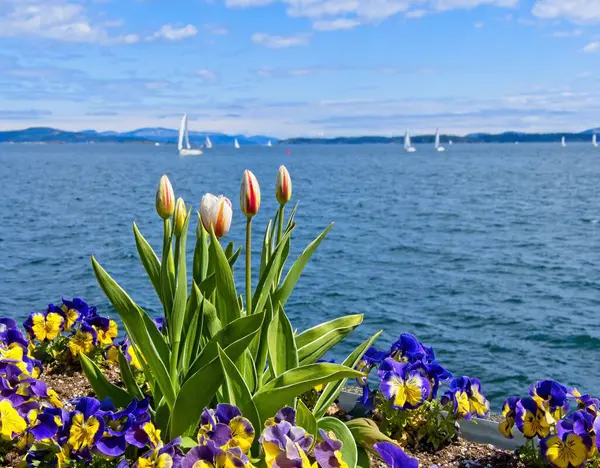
{"type": "Point", "coordinates": [140, 136]}
{"type": "Point", "coordinates": [506, 137]}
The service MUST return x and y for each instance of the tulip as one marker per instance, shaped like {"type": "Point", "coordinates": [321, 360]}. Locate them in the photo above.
{"type": "Point", "coordinates": [165, 198]}
{"type": "Point", "coordinates": [249, 194]}
{"type": "Point", "coordinates": [215, 213]}
{"type": "Point", "coordinates": [283, 186]}
{"type": "Point", "coordinates": [180, 216]}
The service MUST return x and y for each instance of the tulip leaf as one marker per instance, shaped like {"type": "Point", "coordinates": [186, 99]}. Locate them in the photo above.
{"type": "Point", "coordinates": [285, 290]}
{"type": "Point", "coordinates": [209, 283]}
{"type": "Point", "coordinates": [290, 221]}
{"type": "Point", "coordinates": [102, 387]}
{"type": "Point", "coordinates": [305, 419]}
{"type": "Point", "coordinates": [263, 288]}
{"type": "Point", "coordinates": [165, 275]}
{"type": "Point", "coordinates": [227, 303]}
{"type": "Point", "coordinates": [158, 339]}
{"type": "Point", "coordinates": [133, 319]}
{"type": "Point", "coordinates": [236, 391]}
{"type": "Point", "coordinates": [128, 378]}
{"type": "Point", "coordinates": [282, 390]}
{"type": "Point", "coordinates": [342, 433]}
{"type": "Point", "coordinates": [265, 253]}
{"type": "Point", "coordinates": [149, 260]}
{"type": "Point", "coordinates": [241, 332]}
{"type": "Point", "coordinates": [200, 269]}
{"type": "Point", "coordinates": [179, 303]}
{"type": "Point", "coordinates": [193, 334]}
{"type": "Point", "coordinates": [212, 323]}
{"type": "Point", "coordinates": [192, 309]}
{"type": "Point", "coordinates": [363, 460]}
{"type": "Point", "coordinates": [261, 346]}
{"type": "Point", "coordinates": [333, 389]}
{"type": "Point", "coordinates": [281, 344]}
{"type": "Point", "coordinates": [366, 433]}
{"type": "Point", "coordinates": [286, 241]}
{"type": "Point", "coordinates": [198, 391]}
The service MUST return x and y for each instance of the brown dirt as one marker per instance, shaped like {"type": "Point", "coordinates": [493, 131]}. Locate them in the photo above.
{"type": "Point", "coordinates": [462, 454]}
{"type": "Point", "coordinates": [71, 383]}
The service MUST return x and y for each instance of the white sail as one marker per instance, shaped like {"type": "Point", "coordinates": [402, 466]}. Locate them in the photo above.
{"type": "Point", "coordinates": [563, 142]}
{"type": "Point", "coordinates": [407, 146]}
{"type": "Point", "coordinates": [594, 140]}
{"type": "Point", "coordinates": [450, 142]}
{"type": "Point", "coordinates": [182, 127]}
{"type": "Point", "coordinates": [185, 137]}
{"type": "Point", "coordinates": [438, 147]}
{"type": "Point", "coordinates": [270, 144]}
{"type": "Point", "coordinates": [236, 144]}
{"type": "Point", "coordinates": [208, 143]}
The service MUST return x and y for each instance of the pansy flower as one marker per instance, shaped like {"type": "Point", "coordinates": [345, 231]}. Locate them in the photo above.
{"type": "Point", "coordinates": [77, 309]}
{"type": "Point", "coordinates": [11, 423]}
{"type": "Point", "coordinates": [132, 354]}
{"type": "Point", "coordinates": [83, 341]}
{"type": "Point", "coordinates": [211, 456]}
{"type": "Point", "coordinates": [117, 424]}
{"type": "Point", "coordinates": [44, 326]}
{"type": "Point", "coordinates": [509, 412]}
{"type": "Point", "coordinates": [566, 450]}
{"type": "Point", "coordinates": [106, 328]}
{"type": "Point", "coordinates": [142, 434]}
{"type": "Point", "coordinates": [328, 452]}
{"type": "Point", "coordinates": [286, 413]}
{"type": "Point", "coordinates": [226, 427]}
{"type": "Point", "coordinates": [279, 437]}
{"type": "Point", "coordinates": [585, 402]}
{"type": "Point", "coordinates": [370, 359]}
{"type": "Point", "coordinates": [532, 418]}
{"type": "Point", "coordinates": [405, 387]}
{"type": "Point", "coordinates": [466, 397]}
{"type": "Point", "coordinates": [167, 456]}
{"type": "Point", "coordinates": [394, 456]}
{"type": "Point", "coordinates": [552, 395]}
{"type": "Point", "coordinates": [86, 426]}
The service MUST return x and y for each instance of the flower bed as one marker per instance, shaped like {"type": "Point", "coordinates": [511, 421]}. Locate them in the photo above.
{"type": "Point", "coordinates": [222, 379]}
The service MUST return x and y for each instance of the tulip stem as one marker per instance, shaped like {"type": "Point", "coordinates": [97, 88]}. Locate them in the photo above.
{"type": "Point", "coordinates": [279, 223]}
{"type": "Point", "coordinates": [248, 265]}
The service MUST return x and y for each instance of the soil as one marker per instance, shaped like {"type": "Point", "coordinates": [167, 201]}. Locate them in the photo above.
{"type": "Point", "coordinates": [70, 383]}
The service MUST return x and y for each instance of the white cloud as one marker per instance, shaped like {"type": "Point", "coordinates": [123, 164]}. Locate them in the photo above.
{"type": "Point", "coordinates": [174, 34]}
{"type": "Point", "coordinates": [335, 24]}
{"type": "Point", "coordinates": [280, 42]}
{"type": "Point", "coordinates": [577, 11]}
{"type": "Point", "coordinates": [216, 29]}
{"type": "Point", "coordinates": [366, 11]}
{"type": "Point", "coordinates": [573, 33]}
{"type": "Point", "coordinates": [592, 47]}
{"type": "Point", "coordinates": [207, 76]}
{"type": "Point", "coordinates": [479, 24]}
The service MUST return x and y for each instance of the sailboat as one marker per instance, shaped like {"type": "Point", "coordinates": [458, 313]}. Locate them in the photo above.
{"type": "Point", "coordinates": [270, 144]}
{"type": "Point", "coordinates": [563, 142]}
{"type": "Point", "coordinates": [450, 142]}
{"type": "Point", "coordinates": [594, 142]}
{"type": "Point", "coordinates": [438, 147]}
{"type": "Point", "coordinates": [208, 143]}
{"type": "Point", "coordinates": [236, 145]}
{"type": "Point", "coordinates": [185, 137]}
{"type": "Point", "coordinates": [407, 146]}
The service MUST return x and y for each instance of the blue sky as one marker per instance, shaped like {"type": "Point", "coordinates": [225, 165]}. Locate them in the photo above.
{"type": "Point", "coordinates": [301, 67]}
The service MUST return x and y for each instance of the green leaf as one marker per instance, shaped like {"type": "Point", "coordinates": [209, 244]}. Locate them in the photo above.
{"type": "Point", "coordinates": [260, 347]}
{"type": "Point", "coordinates": [200, 269]}
{"type": "Point", "coordinates": [149, 260]}
{"type": "Point", "coordinates": [188, 443]}
{"type": "Point", "coordinates": [179, 304]}
{"type": "Point", "coordinates": [166, 281]}
{"type": "Point", "coordinates": [157, 338]}
{"type": "Point", "coordinates": [333, 389]}
{"type": "Point", "coordinates": [306, 420]}
{"type": "Point", "coordinates": [263, 288]}
{"type": "Point", "coordinates": [102, 387]}
{"type": "Point", "coordinates": [135, 325]}
{"type": "Point", "coordinates": [281, 344]}
{"type": "Point", "coordinates": [241, 331]}
{"type": "Point", "coordinates": [236, 391]}
{"type": "Point", "coordinates": [128, 378]}
{"type": "Point", "coordinates": [265, 253]}
{"type": "Point", "coordinates": [192, 309]}
{"type": "Point", "coordinates": [290, 222]}
{"type": "Point", "coordinates": [285, 290]}
{"type": "Point", "coordinates": [209, 284]}
{"type": "Point", "coordinates": [189, 344]}
{"type": "Point", "coordinates": [198, 391]}
{"type": "Point", "coordinates": [363, 460]}
{"type": "Point", "coordinates": [342, 433]}
{"type": "Point", "coordinates": [315, 342]}
{"type": "Point", "coordinates": [366, 433]}
{"type": "Point", "coordinates": [227, 303]}
{"type": "Point", "coordinates": [282, 390]}
{"type": "Point", "coordinates": [284, 256]}
{"type": "Point", "coordinates": [212, 323]}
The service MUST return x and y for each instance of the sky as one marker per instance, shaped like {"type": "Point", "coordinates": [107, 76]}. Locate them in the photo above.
{"type": "Point", "coordinates": [301, 67]}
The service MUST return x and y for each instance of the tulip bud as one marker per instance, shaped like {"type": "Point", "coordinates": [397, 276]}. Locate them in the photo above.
{"type": "Point", "coordinates": [216, 212]}
{"type": "Point", "coordinates": [283, 186]}
{"type": "Point", "coordinates": [180, 216]}
{"type": "Point", "coordinates": [249, 194]}
{"type": "Point", "coordinates": [165, 198]}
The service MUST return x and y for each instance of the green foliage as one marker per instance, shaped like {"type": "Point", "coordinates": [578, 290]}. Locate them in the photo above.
{"type": "Point", "coordinates": [210, 349]}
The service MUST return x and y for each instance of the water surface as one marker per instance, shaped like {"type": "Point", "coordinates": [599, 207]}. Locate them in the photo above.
{"type": "Point", "coordinates": [490, 253]}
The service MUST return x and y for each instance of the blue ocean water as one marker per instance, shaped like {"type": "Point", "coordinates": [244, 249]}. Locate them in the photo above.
{"type": "Point", "coordinates": [489, 253]}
